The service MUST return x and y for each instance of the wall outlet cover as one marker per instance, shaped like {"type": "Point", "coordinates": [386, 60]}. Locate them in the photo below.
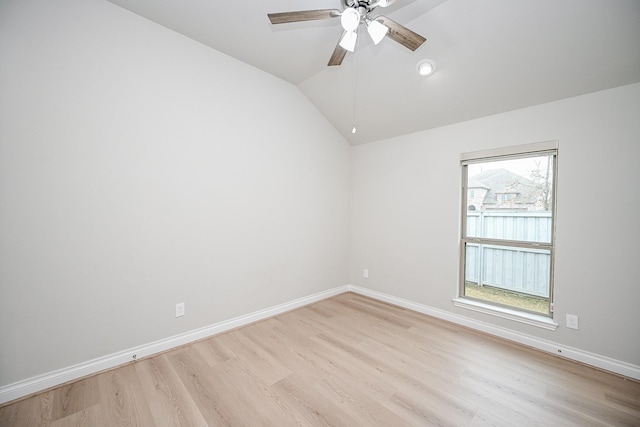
{"type": "Point", "coordinates": [572, 321]}
{"type": "Point", "coordinates": [180, 309]}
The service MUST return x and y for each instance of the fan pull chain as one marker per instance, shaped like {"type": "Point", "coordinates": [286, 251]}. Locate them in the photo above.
{"type": "Point", "coordinates": [355, 83]}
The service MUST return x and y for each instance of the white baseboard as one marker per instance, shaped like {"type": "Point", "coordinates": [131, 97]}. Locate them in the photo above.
{"type": "Point", "coordinates": [588, 358]}
{"type": "Point", "coordinates": [52, 379]}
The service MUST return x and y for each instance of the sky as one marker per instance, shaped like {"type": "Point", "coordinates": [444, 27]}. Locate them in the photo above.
{"type": "Point", "coordinates": [522, 166]}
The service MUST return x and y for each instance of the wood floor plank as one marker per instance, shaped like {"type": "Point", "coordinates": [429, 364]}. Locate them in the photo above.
{"type": "Point", "coordinates": [363, 376]}
{"type": "Point", "coordinates": [344, 361]}
{"type": "Point", "coordinates": [624, 402]}
{"type": "Point", "coordinates": [214, 351]}
{"type": "Point", "coordinates": [415, 377]}
{"type": "Point", "coordinates": [122, 398]}
{"type": "Point", "coordinates": [75, 397]}
{"type": "Point", "coordinates": [89, 417]}
{"type": "Point", "coordinates": [252, 399]}
{"type": "Point", "coordinates": [195, 375]}
{"type": "Point", "coordinates": [430, 411]}
{"type": "Point", "coordinates": [246, 345]}
{"type": "Point", "coordinates": [35, 411]}
{"type": "Point", "coordinates": [414, 346]}
{"type": "Point", "coordinates": [543, 410]}
{"type": "Point", "coordinates": [357, 404]}
{"type": "Point", "coordinates": [318, 410]}
{"type": "Point", "coordinates": [597, 410]}
{"type": "Point", "coordinates": [168, 398]}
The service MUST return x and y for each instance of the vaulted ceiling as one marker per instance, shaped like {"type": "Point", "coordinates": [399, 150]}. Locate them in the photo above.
{"type": "Point", "coordinates": [491, 56]}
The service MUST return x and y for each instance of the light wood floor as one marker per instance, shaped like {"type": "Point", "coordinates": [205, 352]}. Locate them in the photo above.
{"type": "Point", "coordinates": [345, 361]}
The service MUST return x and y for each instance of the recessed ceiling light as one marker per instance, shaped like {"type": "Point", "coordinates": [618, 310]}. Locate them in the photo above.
{"type": "Point", "coordinates": [426, 67]}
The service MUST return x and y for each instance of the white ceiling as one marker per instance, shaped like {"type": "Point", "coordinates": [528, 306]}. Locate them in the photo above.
{"type": "Point", "coordinates": [492, 56]}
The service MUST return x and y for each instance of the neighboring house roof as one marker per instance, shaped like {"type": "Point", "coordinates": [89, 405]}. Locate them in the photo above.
{"type": "Point", "coordinates": [475, 183]}
{"type": "Point", "coordinates": [502, 181]}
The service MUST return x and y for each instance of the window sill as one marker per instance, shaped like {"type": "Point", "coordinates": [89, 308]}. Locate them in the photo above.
{"type": "Point", "coordinates": [507, 313]}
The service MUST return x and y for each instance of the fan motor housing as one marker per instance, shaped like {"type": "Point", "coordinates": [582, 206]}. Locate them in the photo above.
{"type": "Point", "coordinates": [362, 6]}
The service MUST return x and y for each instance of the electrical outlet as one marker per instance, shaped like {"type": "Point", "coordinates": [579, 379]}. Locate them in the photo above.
{"type": "Point", "coordinates": [572, 321]}
{"type": "Point", "coordinates": [180, 309]}
{"type": "Point", "coordinates": [365, 273]}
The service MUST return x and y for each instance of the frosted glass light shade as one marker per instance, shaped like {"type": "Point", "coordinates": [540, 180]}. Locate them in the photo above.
{"type": "Point", "coordinates": [350, 19]}
{"type": "Point", "coordinates": [348, 41]}
{"type": "Point", "coordinates": [377, 31]}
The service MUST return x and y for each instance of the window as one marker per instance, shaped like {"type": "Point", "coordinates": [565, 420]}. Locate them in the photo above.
{"type": "Point", "coordinates": [507, 242]}
{"type": "Point", "coordinates": [505, 197]}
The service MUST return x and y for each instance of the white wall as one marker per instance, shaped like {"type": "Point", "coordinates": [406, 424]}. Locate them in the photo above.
{"type": "Point", "coordinates": [406, 208]}
{"type": "Point", "coordinates": [140, 169]}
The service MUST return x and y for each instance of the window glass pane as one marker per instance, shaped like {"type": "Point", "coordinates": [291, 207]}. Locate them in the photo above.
{"type": "Point", "coordinates": [510, 276]}
{"type": "Point", "coordinates": [511, 199]}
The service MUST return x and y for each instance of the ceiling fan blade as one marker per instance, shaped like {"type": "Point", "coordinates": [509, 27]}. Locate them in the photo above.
{"type": "Point", "coordinates": [302, 15]}
{"type": "Point", "coordinates": [338, 54]}
{"type": "Point", "coordinates": [402, 34]}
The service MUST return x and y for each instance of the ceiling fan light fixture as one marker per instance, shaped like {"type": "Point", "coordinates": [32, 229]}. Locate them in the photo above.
{"type": "Point", "coordinates": [376, 30]}
{"type": "Point", "coordinates": [348, 41]}
{"type": "Point", "coordinates": [350, 19]}
{"type": "Point", "coordinates": [355, 12]}
{"type": "Point", "coordinates": [426, 67]}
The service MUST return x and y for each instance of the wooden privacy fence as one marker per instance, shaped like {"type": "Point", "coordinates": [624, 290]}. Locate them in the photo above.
{"type": "Point", "coordinates": [517, 269]}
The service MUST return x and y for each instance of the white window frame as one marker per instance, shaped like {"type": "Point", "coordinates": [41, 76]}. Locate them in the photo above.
{"type": "Point", "coordinates": [505, 153]}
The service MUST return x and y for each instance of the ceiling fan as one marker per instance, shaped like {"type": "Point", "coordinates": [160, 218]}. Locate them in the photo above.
{"type": "Point", "coordinates": [356, 12]}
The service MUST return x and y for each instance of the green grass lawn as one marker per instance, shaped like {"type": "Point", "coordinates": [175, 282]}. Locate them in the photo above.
{"type": "Point", "coordinates": [510, 298]}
